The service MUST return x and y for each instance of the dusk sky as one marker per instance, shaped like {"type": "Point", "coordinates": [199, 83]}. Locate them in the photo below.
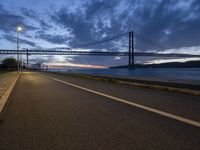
{"type": "Point", "coordinates": [65, 23]}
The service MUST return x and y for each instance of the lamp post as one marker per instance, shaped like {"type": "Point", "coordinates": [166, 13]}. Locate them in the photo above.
{"type": "Point", "coordinates": [18, 29]}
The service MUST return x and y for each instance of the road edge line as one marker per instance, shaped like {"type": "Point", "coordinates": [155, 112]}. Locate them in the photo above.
{"type": "Point", "coordinates": [7, 93]}
{"type": "Point", "coordinates": [146, 108]}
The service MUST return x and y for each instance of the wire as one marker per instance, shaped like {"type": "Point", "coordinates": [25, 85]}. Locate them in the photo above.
{"type": "Point", "coordinates": [144, 38]}
{"type": "Point", "coordinates": [107, 39]}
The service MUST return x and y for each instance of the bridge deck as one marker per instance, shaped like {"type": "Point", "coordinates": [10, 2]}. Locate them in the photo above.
{"type": "Point", "coordinates": [94, 53]}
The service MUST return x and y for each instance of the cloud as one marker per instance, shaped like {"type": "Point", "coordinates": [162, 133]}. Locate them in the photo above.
{"type": "Point", "coordinates": [80, 28]}
{"type": "Point", "coordinates": [171, 23]}
{"type": "Point", "coordinates": [10, 20]}
{"type": "Point", "coordinates": [174, 24]}
{"type": "Point", "coordinates": [28, 13]}
{"type": "Point", "coordinates": [181, 60]}
{"type": "Point", "coordinates": [89, 22]}
{"type": "Point", "coordinates": [44, 25]}
{"type": "Point", "coordinates": [22, 41]}
{"type": "Point", "coordinates": [74, 65]}
{"type": "Point", "coordinates": [56, 39]}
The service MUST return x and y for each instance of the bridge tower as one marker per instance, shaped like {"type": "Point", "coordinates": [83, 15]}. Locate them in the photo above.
{"type": "Point", "coordinates": [131, 50]}
{"type": "Point", "coordinates": [27, 59]}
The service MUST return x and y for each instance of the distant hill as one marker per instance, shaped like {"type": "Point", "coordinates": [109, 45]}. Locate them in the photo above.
{"type": "Point", "coordinates": [188, 64]}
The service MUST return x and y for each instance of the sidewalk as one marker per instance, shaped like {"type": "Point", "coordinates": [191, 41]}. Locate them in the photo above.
{"type": "Point", "coordinates": [7, 82]}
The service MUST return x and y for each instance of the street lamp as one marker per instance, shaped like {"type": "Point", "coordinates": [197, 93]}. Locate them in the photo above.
{"type": "Point", "coordinates": [18, 29]}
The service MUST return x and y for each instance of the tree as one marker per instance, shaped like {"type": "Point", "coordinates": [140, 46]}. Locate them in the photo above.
{"type": "Point", "coordinates": [9, 63]}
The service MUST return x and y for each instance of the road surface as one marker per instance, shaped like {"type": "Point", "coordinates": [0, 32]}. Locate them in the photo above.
{"type": "Point", "coordinates": [50, 114]}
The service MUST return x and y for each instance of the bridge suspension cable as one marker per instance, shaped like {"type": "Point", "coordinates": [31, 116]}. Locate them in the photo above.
{"type": "Point", "coordinates": [149, 41]}
{"type": "Point", "coordinates": [107, 39]}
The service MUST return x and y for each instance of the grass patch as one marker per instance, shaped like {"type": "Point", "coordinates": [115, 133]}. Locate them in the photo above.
{"type": "Point", "coordinates": [163, 88]}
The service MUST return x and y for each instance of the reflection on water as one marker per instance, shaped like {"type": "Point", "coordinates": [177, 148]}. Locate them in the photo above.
{"type": "Point", "coordinates": [161, 73]}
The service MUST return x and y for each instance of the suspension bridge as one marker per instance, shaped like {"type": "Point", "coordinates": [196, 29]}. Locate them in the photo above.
{"type": "Point", "coordinates": [124, 44]}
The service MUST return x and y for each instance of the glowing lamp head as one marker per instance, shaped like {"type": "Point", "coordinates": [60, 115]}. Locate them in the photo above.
{"type": "Point", "coordinates": [19, 29]}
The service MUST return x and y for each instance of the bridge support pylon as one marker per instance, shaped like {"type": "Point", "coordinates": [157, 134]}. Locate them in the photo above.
{"type": "Point", "coordinates": [131, 50]}
{"type": "Point", "coordinates": [27, 59]}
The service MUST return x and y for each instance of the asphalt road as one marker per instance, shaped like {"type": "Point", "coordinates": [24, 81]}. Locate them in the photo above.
{"type": "Point", "coordinates": [44, 114]}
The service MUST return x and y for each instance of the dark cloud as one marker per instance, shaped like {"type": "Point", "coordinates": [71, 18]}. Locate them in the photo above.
{"type": "Point", "coordinates": [22, 41]}
{"type": "Point", "coordinates": [167, 22]}
{"type": "Point", "coordinates": [167, 17]}
{"type": "Point", "coordinates": [56, 39]}
{"type": "Point", "coordinates": [172, 23]}
{"type": "Point", "coordinates": [44, 25]}
{"type": "Point", "coordinates": [81, 28]}
{"type": "Point", "coordinates": [9, 21]}
{"type": "Point", "coordinates": [28, 13]}
{"type": "Point", "coordinates": [90, 24]}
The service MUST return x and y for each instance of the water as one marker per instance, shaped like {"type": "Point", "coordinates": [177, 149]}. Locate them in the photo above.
{"type": "Point", "coordinates": [154, 73]}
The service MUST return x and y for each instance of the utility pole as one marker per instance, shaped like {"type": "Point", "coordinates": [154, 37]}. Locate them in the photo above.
{"type": "Point", "coordinates": [18, 29]}
{"type": "Point", "coordinates": [18, 51]}
{"type": "Point", "coordinates": [27, 58]}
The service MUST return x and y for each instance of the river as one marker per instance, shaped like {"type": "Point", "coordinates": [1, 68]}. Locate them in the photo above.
{"type": "Point", "coordinates": [154, 73]}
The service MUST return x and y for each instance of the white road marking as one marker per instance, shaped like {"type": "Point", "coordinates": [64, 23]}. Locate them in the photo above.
{"type": "Point", "coordinates": [156, 111]}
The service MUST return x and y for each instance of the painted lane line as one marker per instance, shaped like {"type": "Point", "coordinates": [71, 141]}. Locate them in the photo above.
{"type": "Point", "coordinates": [150, 109]}
{"type": "Point", "coordinates": [7, 93]}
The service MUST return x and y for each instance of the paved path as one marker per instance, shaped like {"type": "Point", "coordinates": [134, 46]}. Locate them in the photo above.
{"type": "Point", "coordinates": [44, 114]}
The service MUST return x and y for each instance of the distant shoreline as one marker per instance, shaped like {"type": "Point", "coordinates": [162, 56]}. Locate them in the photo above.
{"type": "Point", "coordinates": [188, 64]}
